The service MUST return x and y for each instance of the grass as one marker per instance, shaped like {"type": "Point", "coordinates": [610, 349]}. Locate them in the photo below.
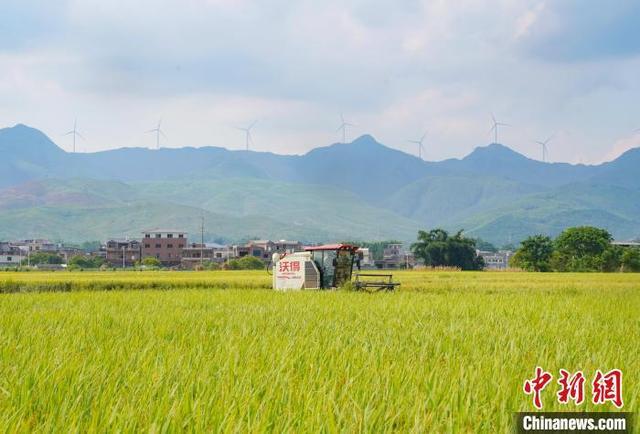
{"type": "Point", "coordinates": [447, 353]}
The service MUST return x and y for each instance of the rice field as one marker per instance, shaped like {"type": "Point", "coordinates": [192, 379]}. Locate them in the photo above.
{"type": "Point", "coordinates": [220, 352]}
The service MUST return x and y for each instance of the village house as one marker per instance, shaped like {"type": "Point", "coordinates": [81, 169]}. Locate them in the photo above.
{"type": "Point", "coordinates": [165, 245]}
{"type": "Point", "coordinates": [495, 260]}
{"type": "Point", "coordinates": [264, 249]}
{"type": "Point", "coordinates": [196, 253]}
{"type": "Point", "coordinates": [10, 255]}
{"type": "Point", "coordinates": [123, 252]}
{"type": "Point", "coordinates": [35, 246]}
{"type": "Point", "coordinates": [394, 256]}
{"type": "Point", "coordinates": [364, 255]}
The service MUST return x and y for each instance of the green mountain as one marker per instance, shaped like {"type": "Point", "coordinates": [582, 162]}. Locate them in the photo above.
{"type": "Point", "coordinates": [81, 209]}
{"type": "Point", "coordinates": [361, 190]}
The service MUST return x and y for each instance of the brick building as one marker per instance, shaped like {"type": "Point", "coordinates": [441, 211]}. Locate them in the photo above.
{"type": "Point", "coordinates": [164, 245]}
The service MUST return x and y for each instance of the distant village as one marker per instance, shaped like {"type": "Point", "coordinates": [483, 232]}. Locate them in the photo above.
{"type": "Point", "coordinates": [172, 249]}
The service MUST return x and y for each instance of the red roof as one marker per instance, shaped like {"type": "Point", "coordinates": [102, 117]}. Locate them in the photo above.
{"type": "Point", "coordinates": [332, 247]}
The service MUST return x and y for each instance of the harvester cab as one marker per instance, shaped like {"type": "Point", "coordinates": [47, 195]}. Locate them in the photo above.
{"type": "Point", "coordinates": [318, 267]}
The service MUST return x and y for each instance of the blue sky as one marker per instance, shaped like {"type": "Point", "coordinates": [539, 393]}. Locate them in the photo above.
{"type": "Point", "coordinates": [394, 68]}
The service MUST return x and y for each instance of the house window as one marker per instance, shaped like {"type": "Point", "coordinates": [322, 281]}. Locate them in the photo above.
{"type": "Point", "coordinates": [181, 246]}
{"type": "Point", "coordinates": [218, 255]}
{"type": "Point", "coordinates": [169, 235]}
{"type": "Point", "coordinates": [158, 246]}
{"type": "Point", "coordinates": [180, 236]}
{"type": "Point", "coordinates": [147, 246]}
{"type": "Point", "coordinates": [9, 258]}
{"type": "Point", "coordinates": [169, 246]}
{"type": "Point", "coordinates": [147, 235]}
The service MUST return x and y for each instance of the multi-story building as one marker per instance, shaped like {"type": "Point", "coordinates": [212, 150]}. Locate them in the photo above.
{"type": "Point", "coordinates": [496, 260]}
{"type": "Point", "coordinates": [264, 249]}
{"type": "Point", "coordinates": [10, 255]}
{"type": "Point", "coordinates": [394, 256]}
{"type": "Point", "coordinates": [364, 254]}
{"type": "Point", "coordinates": [123, 252]}
{"type": "Point", "coordinates": [284, 246]}
{"type": "Point", "coordinates": [35, 246]}
{"type": "Point", "coordinates": [196, 253]}
{"type": "Point", "coordinates": [164, 245]}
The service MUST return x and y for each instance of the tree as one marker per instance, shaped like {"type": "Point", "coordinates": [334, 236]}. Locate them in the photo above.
{"type": "Point", "coordinates": [611, 259]}
{"type": "Point", "coordinates": [631, 260]}
{"type": "Point", "coordinates": [43, 258]}
{"type": "Point", "coordinates": [151, 262]}
{"type": "Point", "coordinates": [584, 248]}
{"type": "Point", "coordinates": [485, 245]}
{"type": "Point", "coordinates": [82, 262]}
{"type": "Point", "coordinates": [436, 248]}
{"type": "Point", "coordinates": [534, 254]}
{"type": "Point", "coordinates": [245, 263]}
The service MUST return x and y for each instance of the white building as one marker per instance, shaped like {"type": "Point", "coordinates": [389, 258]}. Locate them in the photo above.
{"type": "Point", "coordinates": [10, 256]}
{"type": "Point", "coordinates": [496, 260]}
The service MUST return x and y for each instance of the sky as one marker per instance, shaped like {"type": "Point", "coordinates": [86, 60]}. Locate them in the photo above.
{"type": "Point", "coordinates": [568, 69]}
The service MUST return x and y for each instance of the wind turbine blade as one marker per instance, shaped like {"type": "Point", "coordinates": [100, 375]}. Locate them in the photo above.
{"type": "Point", "coordinates": [151, 131]}
{"type": "Point", "coordinates": [70, 132]}
{"type": "Point", "coordinates": [81, 136]}
{"type": "Point", "coordinates": [493, 128]}
{"type": "Point", "coordinates": [163, 134]}
{"type": "Point", "coordinates": [340, 127]}
{"type": "Point", "coordinates": [253, 124]}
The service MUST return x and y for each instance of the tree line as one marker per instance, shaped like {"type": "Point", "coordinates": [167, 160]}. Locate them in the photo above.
{"type": "Point", "coordinates": [578, 249]}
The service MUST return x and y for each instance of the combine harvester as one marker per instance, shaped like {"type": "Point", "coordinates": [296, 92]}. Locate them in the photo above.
{"type": "Point", "coordinates": [325, 267]}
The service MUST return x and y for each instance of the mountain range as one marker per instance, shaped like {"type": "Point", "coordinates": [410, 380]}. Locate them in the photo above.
{"type": "Point", "coordinates": [358, 191]}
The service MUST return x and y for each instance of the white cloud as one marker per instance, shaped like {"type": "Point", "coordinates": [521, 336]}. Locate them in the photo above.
{"type": "Point", "coordinates": [393, 67]}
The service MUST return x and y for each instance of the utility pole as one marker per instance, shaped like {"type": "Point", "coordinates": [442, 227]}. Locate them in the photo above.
{"type": "Point", "coordinates": [202, 243]}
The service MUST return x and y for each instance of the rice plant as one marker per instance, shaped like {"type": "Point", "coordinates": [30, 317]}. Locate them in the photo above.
{"type": "Point", "coordinates": [217, 351]}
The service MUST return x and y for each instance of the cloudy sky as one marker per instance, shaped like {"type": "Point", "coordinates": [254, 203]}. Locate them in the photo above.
{"type": "Point", "coordinates": [567, 68]}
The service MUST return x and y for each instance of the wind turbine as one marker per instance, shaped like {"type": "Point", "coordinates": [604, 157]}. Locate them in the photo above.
{"type": "Point", "coordinates": [420, 144]}
{"type": "Point", "coordinates": [343, 126]}
{"type": "Point", "coordinates": [158, 131]}
{"type": "Point", "coordinates": [495, 126]}
{"type": "Point", "coordinates": [247, 131]}
{"type": "Point", "coordinates": [543, 144]}
{"type": "Point", "coordinates": [75, 133]}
